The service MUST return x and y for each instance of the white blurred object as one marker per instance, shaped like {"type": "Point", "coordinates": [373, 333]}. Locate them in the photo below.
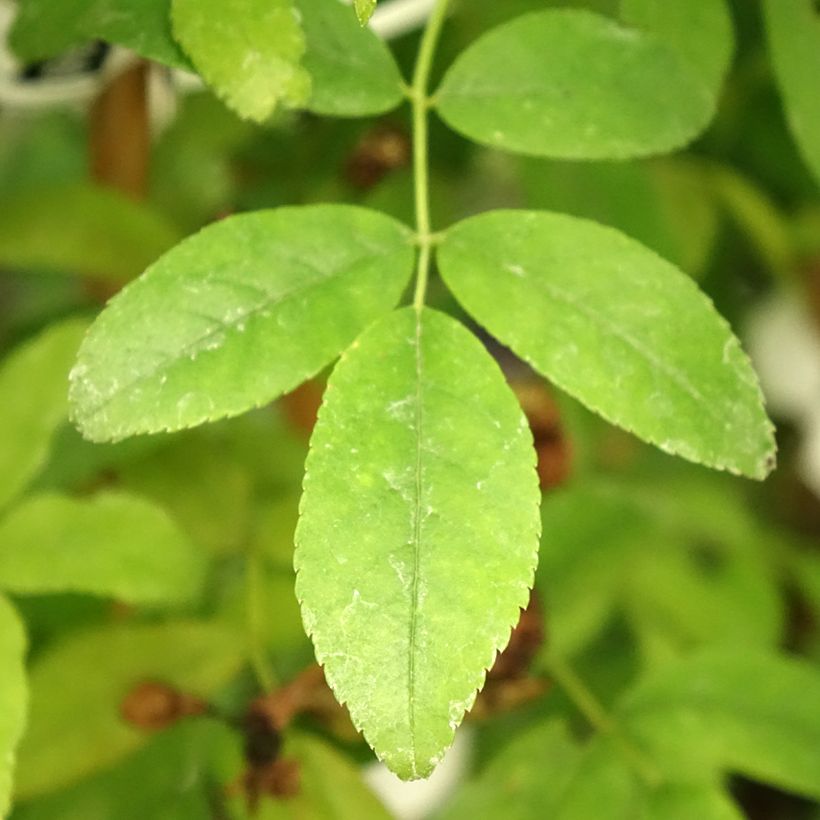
{"type": "Point", "coordinates": [417, 799]}
{"type": "Point", "coordinates": [396, 17]}
{"type": "Point", "coordinates": [784, 343]}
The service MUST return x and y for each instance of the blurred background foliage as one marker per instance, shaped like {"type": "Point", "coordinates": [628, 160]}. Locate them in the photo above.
{"type": "Point", "coordinates": [646, 562]}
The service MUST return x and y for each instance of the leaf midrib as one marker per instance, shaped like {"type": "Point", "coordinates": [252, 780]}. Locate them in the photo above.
{"type": "Point", "coordinates": [414, 594]}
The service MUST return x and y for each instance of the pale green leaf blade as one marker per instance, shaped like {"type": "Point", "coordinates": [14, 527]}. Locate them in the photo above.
{"type": "Point", "coordinates": [416, 544]}
{"type": "Point", "coordinates": [353, 73]}
{"type": "Point", "coordinates": [618, 328]}
{"type": "Point", "coordinates": [746, 712]}
{"type": "Point", "coordinates": [235, 316]}
{"type": "Point", "coordinates": [331, 787]}
{"type": "Point", "coordinates": [701, 31]}
{"type": "Point", "coordinates": [545, 772]}
{"type": "Point", "coordinates": [13, 696]}
{"type": "Point", "coordinates": [34, 385]}
{"type": "Point", "coordinates": [248, 51]}
{"type": "Point", "coordinates": [794, 40]}
{"type": "Point", "coordinates": [113, 544]}
{"type": "Point", "coordinates": [169, 779]}
{"type": "Point", "coordinates": [570, 84]}
{"type": "Point", "coordinates": [44, 28]}
{"type": "Point", "coordinates": [82, 230]}
{"type": "Point", "coordinates": [77, 689]}
{"type": "Point", "coordinates": [364, 10]}
{"type": "Point", "coordinates": [523, 781]}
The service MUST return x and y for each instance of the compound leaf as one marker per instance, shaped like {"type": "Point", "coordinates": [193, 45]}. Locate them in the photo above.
{"type": "Point", "coordinates": [113, 545]}
{"type": "Point", "coordinates": [618, 328]}
{"type": "Point", "coordinates": [235, 316]}
{"type": "Point", "coordinates": [416, 545]}
{"type": "Point", "coordinates": [353, 72]}
{"type": "Point", "coordinates": [33, 382]}
{"type": "Point", "coordinates": [13, 696]}
{"type": "Point", "coordinates": [248, 51]}
{"type": "Point", "coordinates": [794, 39]}
{"type": "Point", "coordinates": [571, 84]}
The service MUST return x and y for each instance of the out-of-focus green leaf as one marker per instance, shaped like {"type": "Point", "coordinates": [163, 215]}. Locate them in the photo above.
{"type": "Point", "coordinates": [113, 545]}
{"type": "Point", "coordinates": [618, 328]}
{"type": "Point", "coordinates": [684, 562]}
{"type": "Point", "coordinates": [352, 71]}
{"type": "Point", "coordinates": [330, 787]}
{"type": "Point", "coordinates": [524, 781]}
{"type": "Point", "coordinates": [193, 178]}
{"type": "Point", "coordinates": [570, 84]}
{"type": "Point", "coordinates": [364, 10]}
{"type": "Point", "coordinates": [699, 30]}
{"type": "Point", "coordinates": [544, 772]}
{"type": "Point", "coordinates": [668, 205]}
{"type": "Point", "coordinates": [588, 537]}
{"type": "Point", "coordinates": [420, 472]}
{"type": "Point", "coordinates": [80, 229]}
{"type": "Point", "coordinates": [746, 712]}
{"type": "Point", "coordinates": [44, 29]}
{"type": "Point", "coordinates": [794, 40]}
{"type": "Point", "coordinates": [248, 51]}
{"type": "Point", "coordinates": [33, 384]}
{"type": "Point", "coordinates": [13, 697]}
{"type": "Point", "coordinates": [198, 479]}
{"type": "Point", "coordinates": [235, 316]}
{"type": "Point", "coordinates": [77, 689]}
{"type": "Point", "coordinates": [169, 779]}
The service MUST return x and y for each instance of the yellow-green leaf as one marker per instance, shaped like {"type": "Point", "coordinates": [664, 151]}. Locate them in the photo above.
{"type": "Point", "coordinates": [417, 540]}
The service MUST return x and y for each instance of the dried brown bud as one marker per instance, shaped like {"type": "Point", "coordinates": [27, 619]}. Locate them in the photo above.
{"type": "Point", "coordinates": [153, 705]}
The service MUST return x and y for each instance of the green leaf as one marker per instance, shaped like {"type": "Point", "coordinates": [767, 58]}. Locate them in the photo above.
{"type": "Point", "coordinates": [666, 205]}
{"type": "Point", "coordinates": [112, 545]}
{"type": "Point", "coordinates": [44, 28]}
{"type": "Point", "coordinates": [618, 328]}
{"type": "Point", "coordinates": [794, 40]}
{"type": "Point", "coordinates": [751, 713]}
{"type": "Point", "coordinates": [249, 51]}
{"type": "Point", "coordinates": [571, 84]}
{"type": "Point", "coordinates": [416, 545]}
{"type": "Point", "coordinates": [544, 772]}
{"type": "Point", "coordinates": [169, 779]}
{"type": "Point", "coordinates": [524, 781]}
{"type": "Point", "coordinates": [33, 382]}
{"type": "Point", "coordinates": [13, 696]}
{"type": "Point", "coordinates": [77, 689]}
{"type": "Point", "coordinates": [699, 30]}
{"type": "Point", "coordinates": [235, 316]}
{"type": "Point", "coordinates": [330, 787]}
{"type": "Point", "coordinates": [353, 73]}
{"type": "Point", "coordinates": [81, 229]}
{"type": "Point", "coordinates": [364, 10]}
